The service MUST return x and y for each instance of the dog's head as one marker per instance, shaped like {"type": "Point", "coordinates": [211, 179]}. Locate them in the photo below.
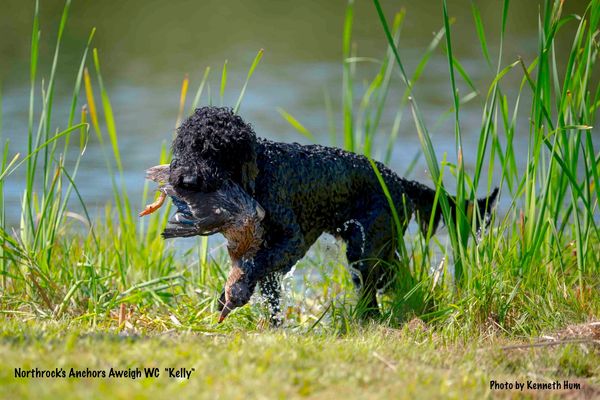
{"type": "Point", "coordinates": [212, 146]}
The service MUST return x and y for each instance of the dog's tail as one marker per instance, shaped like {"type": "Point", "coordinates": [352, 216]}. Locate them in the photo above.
{"type": "Point", "coordinates": [423, 199]}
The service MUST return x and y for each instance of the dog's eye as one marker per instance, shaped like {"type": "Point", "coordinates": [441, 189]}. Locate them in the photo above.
{"type": "Point", "coordinates": [189, 182]}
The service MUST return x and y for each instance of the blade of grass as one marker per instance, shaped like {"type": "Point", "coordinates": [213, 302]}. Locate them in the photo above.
{"type": "Point", "coordinates": [347, 91]}
{"type": "Point", "coordinates": [296, 124]}
{"type": "Point", "coordinates": [223, 82]}
{"type": "Point", "coordinates": [108, 115]}
{"type": "Point", "coordinates": [182, 96]}
{"type": "Point", "coordinates": [250, 72]}
{"type": "Point", "coordinates": [200, 89]}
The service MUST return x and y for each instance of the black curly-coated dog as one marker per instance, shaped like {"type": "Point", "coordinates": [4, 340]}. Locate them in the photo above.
{"type": "Point", "coordinates": [302, 192]}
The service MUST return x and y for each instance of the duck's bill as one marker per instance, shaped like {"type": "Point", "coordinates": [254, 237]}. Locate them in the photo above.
{"type": "Point", "coordinates": [227, 308]}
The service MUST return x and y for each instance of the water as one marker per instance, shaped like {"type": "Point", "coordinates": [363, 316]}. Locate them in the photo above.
{"type": "Point", "coordinates": [147, 47]}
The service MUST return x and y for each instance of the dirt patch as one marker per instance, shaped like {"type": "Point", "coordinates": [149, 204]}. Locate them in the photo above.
{"type": "Point", "coordinates": [589, 330]}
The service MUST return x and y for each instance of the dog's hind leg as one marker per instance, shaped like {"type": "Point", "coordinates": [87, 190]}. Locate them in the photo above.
{"type": "Point", "coordinates": [353, 233]}
{"type": "Point", "coordinates": [369, 243]}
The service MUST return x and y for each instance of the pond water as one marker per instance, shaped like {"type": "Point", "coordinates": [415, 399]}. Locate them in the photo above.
{"type": "Point", "coordinates": [146, 48]}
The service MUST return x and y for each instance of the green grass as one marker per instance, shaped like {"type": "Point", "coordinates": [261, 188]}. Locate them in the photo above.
{"type": "Point", "coordinates": [373, 362]}
{"type": "Point", "coordinates": [535, 271]}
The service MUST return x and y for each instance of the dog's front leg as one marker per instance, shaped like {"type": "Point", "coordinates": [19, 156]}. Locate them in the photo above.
{"type": "Point", "coordinates": [280, 255]}
{"type": "Point", "coordinates": [270, 289]}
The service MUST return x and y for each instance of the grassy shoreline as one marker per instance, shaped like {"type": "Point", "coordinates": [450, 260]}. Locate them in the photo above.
{"type": "Point", "coordinates": [370, 362]}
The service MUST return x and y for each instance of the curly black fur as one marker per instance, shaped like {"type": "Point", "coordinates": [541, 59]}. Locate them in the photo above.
{"type": "Point", "coordinates": [305, 191]}
{"type": "Point", "coordinates": [211, 146]}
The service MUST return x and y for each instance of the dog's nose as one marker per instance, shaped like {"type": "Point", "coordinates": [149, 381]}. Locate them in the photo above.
{"type": "Point", "coordinates": [190, 182]}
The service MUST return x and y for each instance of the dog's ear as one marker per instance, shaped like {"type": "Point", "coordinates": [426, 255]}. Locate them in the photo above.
{"type": "Point", "coordinates": [249, 174]}
{"type": "Point", "coordinates": [249, 168]}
